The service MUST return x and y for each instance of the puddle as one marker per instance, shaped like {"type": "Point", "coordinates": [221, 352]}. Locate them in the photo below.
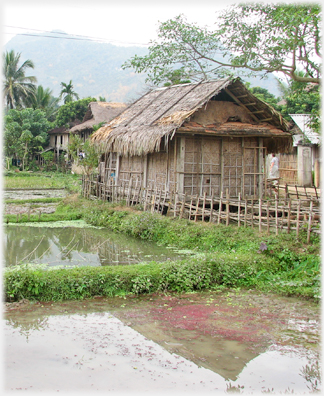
{"type": "Point", "coordinates": [77, 246]}
{"type": "Point", "coordinates": [204, 342]}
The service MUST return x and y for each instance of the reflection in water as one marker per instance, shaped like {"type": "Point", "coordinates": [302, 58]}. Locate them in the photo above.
{"type": "Point", "coordinates": [77, 247]}
{"type": "Point", "coordinates": [108, 332]}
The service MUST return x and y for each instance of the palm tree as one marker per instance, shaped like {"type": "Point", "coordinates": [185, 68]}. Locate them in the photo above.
{"type": "Point", "coordinates": [17, 87]}
{"type": "Point", "coordinates": [45, 100]}
{"type": "Point", "coordinates": [67, 90]}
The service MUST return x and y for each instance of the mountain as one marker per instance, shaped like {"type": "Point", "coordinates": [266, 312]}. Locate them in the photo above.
{"type": "Point", "coordinates": [94, 68]}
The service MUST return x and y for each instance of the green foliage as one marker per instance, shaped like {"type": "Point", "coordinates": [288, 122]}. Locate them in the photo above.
{"type": "Point", "coordinates": [253, 37]}
{"type": "Point", "coordinates": [72, 111]}
{"type": "Point", "coordinates": [219, 256]}
{"type": "Point", "coordinates": [91, 159]}
{"type": "Point", "coordinates": [67, 92]}
{"type": "Point", "coordinates": [25, 133]}
{"type": "Point", "coordinates": [17, 87]}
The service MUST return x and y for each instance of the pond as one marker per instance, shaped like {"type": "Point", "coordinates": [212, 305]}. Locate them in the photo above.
{"type": "Point", "coordinates": [75, 244]}
{"type": "Point", "coordinates": [239, 341]}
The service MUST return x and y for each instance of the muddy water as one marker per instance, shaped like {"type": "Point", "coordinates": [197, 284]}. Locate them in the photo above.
{"type": "Point", "coordinates": [216, 342]}
{"type": "Point", "coordinates": [77, 246]}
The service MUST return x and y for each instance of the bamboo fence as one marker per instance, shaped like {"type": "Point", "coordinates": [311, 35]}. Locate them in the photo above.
{"type": "Point", "coordinates": [273, 214]}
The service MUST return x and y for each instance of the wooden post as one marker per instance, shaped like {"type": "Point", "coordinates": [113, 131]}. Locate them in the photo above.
{"type": "Point", "coordinates": [289, 214]}
{"type": "Point", "coordinates": [310, 221]}
{"type": "Point", "coordinates": [204, 204]}
{"type": "Point", "coordinates": [211, 206]}
{"type": "Point", "coordinates": [197, 207]}
{"type": "Point", "coordinates": [182, 206]}
{"type": "Point", "coordinates": [298, 214]}
{"type": "Point", "coordinates": [260, 215]}
{"type": "Point", "coordinates": [227, 207]}
{"type": "Point", "coordinates": [245, 213]}
{"type": "Point", "coordinates": [152, 203]}
{"type": "Point", "coordinates": [190, 208]}
{"type": "Point", "coordinates": [268, 218]}
{"type": "Point", "coordinates": [220, 208]}
{"type": "Point", "coordinates": [239, 211]}
{"type": "Point", "coordinates": [276, 213]}
{"type": "Point", "coordinates": [252, 219]}
{"type": "Point", "coordinates": [175, 204]}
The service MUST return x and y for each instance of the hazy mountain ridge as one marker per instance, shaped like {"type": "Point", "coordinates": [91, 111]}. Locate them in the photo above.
{"type": "Point", "coordinates": [94, 68]}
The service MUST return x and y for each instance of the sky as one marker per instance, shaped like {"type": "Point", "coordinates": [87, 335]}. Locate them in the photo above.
{"type": "Point", "coordinates": [120, 22]}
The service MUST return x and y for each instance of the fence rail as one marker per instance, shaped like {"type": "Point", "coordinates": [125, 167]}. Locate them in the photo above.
{"type": "Point", "coordinates": [273, 214]}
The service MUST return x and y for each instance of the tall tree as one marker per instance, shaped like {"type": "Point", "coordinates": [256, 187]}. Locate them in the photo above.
{"type": "Point", "coordinates": [67, 92]}
{"type": "Point", "coordinates": [25, 133]}
{"type": "Point", "coordinates": [17, 87]}
{"type": "Point", "coordinates": [45, 101]}
{"type": "Point", "coordinates": [249, 37]}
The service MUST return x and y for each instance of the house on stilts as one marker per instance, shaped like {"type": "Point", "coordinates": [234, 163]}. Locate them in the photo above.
{"type": "Point", "coordinates": [193, 139]}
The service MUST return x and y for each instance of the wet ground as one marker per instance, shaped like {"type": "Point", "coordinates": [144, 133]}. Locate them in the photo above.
{"type": "Point", "coordinates": [200, 342]}
{"type": "Point", "coordinates": [32, 208]}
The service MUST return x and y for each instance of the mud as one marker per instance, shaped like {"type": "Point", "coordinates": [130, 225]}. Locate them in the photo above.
{"type": "Point", "coordinates": [235, 341]}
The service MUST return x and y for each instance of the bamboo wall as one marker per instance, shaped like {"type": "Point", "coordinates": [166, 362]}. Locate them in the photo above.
{"type": "Point", "coordinates": [194, 165]}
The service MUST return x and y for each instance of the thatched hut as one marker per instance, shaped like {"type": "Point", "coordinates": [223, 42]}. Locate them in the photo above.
{"type": "Point", "coordinates": [193, 139]}
{"type": "Point", "coordinates": [97, 113]}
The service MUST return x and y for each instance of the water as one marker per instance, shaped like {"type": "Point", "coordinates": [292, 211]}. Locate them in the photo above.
{"type": "Point", "coordinates": [77, 246]}
{"type": "Point", "coordinates": [165, 343]}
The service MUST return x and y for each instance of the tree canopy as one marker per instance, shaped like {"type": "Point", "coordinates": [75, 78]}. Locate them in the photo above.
{"type": "Point", "coordinates": [25, 133]}
{"type": "Point", "coordinates": [67, 92]}
{"type": "Point", "coordinates": [249, 37]}
{"type": "Point", "coordinates": [17, 87]}
{"type": "Point", "coordinates": [72, 111]}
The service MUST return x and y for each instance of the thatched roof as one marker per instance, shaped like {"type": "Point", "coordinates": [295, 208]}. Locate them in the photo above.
{"type": "Point", "coordinates": [63, 129]}
{"type": "Point", "coordinates": [156, 116]}
{"type": "Point", "coordinates": [98, 112]}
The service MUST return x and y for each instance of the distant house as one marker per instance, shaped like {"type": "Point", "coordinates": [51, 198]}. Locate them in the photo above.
{"type": "Point", "coordinates": [97, 113]}
{"type": "Point", "coordinates": [297, 166]}
{"type": "Point", "coordinates": [209, 137]}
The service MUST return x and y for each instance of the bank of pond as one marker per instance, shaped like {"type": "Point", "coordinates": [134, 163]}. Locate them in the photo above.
{"type": "Point", "coordinates": [204, 257]}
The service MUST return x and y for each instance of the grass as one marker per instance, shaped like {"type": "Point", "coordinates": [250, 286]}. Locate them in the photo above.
{"type": "Point", "coordinates": [226, 257]}
{"type": "Point", "coordinates": [42, 180]}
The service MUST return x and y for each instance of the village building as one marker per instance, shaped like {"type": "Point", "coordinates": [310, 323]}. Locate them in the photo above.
{"type": "Point", "coordinates": [97, 113]}
{"type": "Point", "coordinates": [203, 138]}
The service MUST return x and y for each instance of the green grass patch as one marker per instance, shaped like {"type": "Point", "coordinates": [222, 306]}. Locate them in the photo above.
{"type": "Point", "coordinates": [34, 200]}
{"type": "Point", "coordinates": [209, 271]}
{"type": "Point", "coordinates": [225, 257]}
{"type": "Point", "coordinates": [42, 180]}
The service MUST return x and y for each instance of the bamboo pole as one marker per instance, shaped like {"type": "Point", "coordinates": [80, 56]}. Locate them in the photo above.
{"type": "Point", "coordinates": [289, 214]}
{"type": "Point", "coordinates": [310, 221]}
{"type": "Point", "coordinates": [260, 214]}
{"type": "Point", "coordinates": [190, 208]}
{"type": "Point", "coordinates": [239, 211]}
{"type": "Point", "coordinates": [245, 213]}
{"type": "Point", "coordinates": [220, 208]}
{"type": "Point", "coordinates": [227, 207]}
{"type": "Point", "coordinates": [182, 206]}
{"type": "Point", "coordinates": [211, 206]}
{"type": "Point", "coordinates": [298, 214]}
{"type": "Point", "coordinates": [204, 205]}
{"type": "Point", "coordinates": [197, 207]}
{"type": "Point", "coordinates": [175, 204]}
{"type": "Point", "coordinates": [276, 213]}
{"type": "Point", "coordinates": [268, 218]}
